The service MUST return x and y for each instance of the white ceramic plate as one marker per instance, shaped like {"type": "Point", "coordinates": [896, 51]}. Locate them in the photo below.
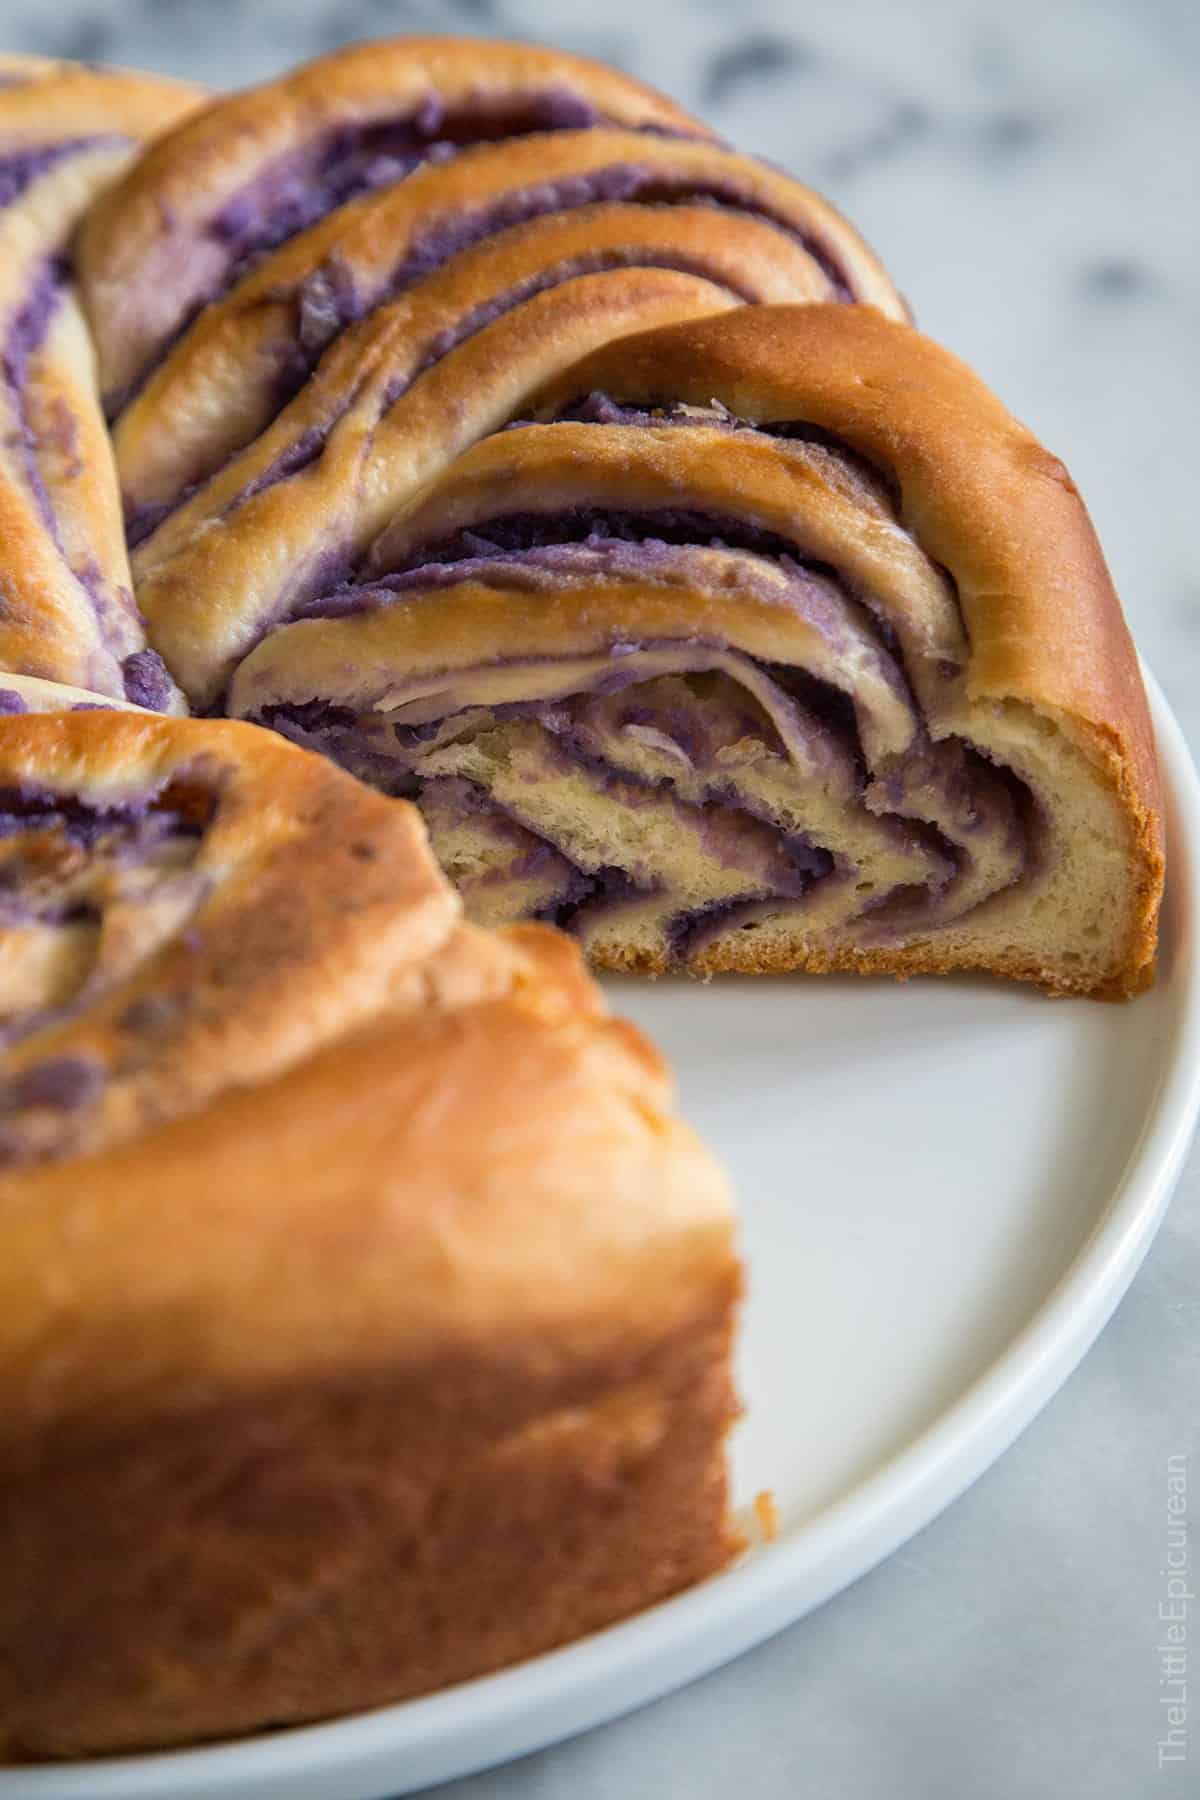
{"type": "Point", "coordinates": [946, 1187]}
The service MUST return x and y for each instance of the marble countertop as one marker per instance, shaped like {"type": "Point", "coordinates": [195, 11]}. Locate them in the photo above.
{"type": "Point", "coordinates": [1029, 172]}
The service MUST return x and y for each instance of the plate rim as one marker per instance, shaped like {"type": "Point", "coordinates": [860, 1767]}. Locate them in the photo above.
{"type": "Point", "coordinates": [547, 1698]}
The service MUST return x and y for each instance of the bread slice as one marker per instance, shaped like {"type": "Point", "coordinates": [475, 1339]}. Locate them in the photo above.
{"type": "Point", "coordinates": [777, 645]}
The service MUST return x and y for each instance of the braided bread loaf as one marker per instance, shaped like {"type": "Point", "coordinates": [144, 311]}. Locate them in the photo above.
{"type": "Point", "coordinates": [481, 422]}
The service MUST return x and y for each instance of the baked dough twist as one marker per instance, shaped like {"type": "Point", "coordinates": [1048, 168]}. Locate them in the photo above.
{"type": "Point", "coordinates": [66, 133]}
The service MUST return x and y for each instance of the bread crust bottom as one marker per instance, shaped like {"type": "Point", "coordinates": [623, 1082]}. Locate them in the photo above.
{"type": "Point", "coordinates": [298, 1555]}
{"type": "Point", "coordinates": [919, 959]}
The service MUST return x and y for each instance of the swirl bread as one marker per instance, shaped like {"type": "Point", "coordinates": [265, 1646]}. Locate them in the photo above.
{"type": "Point", "coordinates": [311, 1398]}
{"type": "Point", "coordinates": [483, 423]}
{"type": "Point", "coordinates": [65, 134]}
{"type": "Point", "coordinates": [783, 646]}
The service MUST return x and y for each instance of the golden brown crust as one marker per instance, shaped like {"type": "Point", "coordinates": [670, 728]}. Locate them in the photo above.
{"type": "Point", "coordinates": [381, 80]}
{"type": "Point", "coordinates": [392, 416]}
{"type": "Point", "coordinates": [257, 500]}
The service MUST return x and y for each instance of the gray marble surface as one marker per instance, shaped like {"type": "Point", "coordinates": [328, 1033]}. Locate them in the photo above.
{"type": "Point", "coordinates": [1029, 171]}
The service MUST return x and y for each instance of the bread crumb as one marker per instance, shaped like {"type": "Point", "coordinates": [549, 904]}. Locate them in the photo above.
{"type": "Point", "coordinates": [767, 1515]}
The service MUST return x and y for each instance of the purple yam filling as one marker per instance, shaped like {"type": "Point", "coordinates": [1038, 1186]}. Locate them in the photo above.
{"type": "Point", "coordinates": [604, 890]}
{"type": "Point", "coordinates": [142, 521]}
{"type": "Point", "coordinates": [26, 335]}
{"type": "Point", "coordinates": [329, 299]}
{"type": "Point", "coordinates": [577, 727]}
{"type": "Point", "coordinates": [791, 864]}
{"type": "Point", "coordinates": [556, 540]}
{"type": "Point", "coordinates": [600, 408]}
{"type": "Point", "coordinates": [38, 1105]}
{"type": "Point", "coordinates": [948, 782]}
{"type": "Point", "coordinates": [692, 933]}
{"type": "Point", "coordinates": [136, 848]}
{"type": "Point", "coordinates": [695, 730]}
{"type": "Point", "coordinates": [146, 822]}
{"type": "Point", "coordinates": [449, 234]}
{"type": "Point", "coordinates": [976, 799]}
{"type": "Point", "coordinates": [389, 760]}
{"type": "Point", "coordinates": [736, 833]}
{"type": "Point", "coordinates": [307, 449]}
{"type": "Point", "coordinates": [621, 546]}
{"type": "Point", "coordinates": [11, 701]}
{"type": "Point", "coordinates": [60, 1084]}
{"type": "Point", "coordinates": [733, 838]}
{"type": "Point", "coordinates": [596, 262]}
{"type": "Point", "coordinates": [128, 835]}
{"type": "Point", "coordinates": [146, 680]}
{"type": "Point", "coordinates": [654, 530]}
{"type": "Point", "coordinates": [308, 183]}
{"type": "Point", "coordinates": [364, 747]}
{"type": "Point", "coordinates": [686, 930]}
{"type": "Point", "coordinates": [822, 735]}
{"type": "Point", "coordinates": [19, 169]}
